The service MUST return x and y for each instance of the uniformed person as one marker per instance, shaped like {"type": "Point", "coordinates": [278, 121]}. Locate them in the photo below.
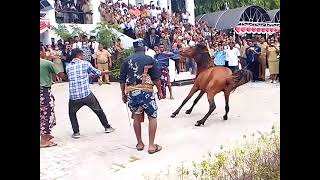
{"type": "Point", "coordinates": [138, 74]}
{"type": "Point", "coordinates": [103, 63]}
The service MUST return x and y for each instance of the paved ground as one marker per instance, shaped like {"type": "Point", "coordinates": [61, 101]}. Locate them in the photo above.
{"type": "Point", "coordinates": [100, 156]}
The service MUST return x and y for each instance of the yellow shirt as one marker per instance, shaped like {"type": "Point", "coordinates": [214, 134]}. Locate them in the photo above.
{"type": "Point", "coordinates": [263, 47]}
{"type": "Point", "coordinates": [103, 56]}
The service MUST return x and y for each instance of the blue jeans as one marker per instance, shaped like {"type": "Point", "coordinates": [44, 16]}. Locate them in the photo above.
{"type": "Point", "coordinates": [190, 64]}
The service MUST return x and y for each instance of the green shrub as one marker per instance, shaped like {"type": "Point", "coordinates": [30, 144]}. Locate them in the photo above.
{"type": "Point", "coordinates": [104, 34]}
{"type": "Point", "coordinates": [63, 32]}
{"type": "Point", "coordinates": [258, 158]}
{"type": "Point", "coordinates": [116, 64]}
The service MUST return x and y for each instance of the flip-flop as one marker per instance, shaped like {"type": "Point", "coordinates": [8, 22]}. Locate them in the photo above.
{"type": "Point", "coordinates": [51, 144]}
{"type": "Point", "coordinates": [139, 149]}
{"type": "Point", "coordinates": [158, 148]}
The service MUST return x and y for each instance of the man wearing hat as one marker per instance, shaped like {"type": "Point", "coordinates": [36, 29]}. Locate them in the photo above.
{"type": "Point", "coordinates": [138, 74]}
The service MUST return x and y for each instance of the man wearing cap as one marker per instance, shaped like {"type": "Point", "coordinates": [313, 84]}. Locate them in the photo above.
{"type": "Point", "coordinates": [80, 93]}
{"type": "Point", "coordinates": [138, 73]}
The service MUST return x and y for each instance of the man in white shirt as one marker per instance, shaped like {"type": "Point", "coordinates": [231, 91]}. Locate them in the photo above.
{"type": "Point", "coordinates": [94, 45]}
{"type": "Point", "coordinates": [153, 12]}
{"type": "Point", "coordinates": [232, 57]}
{"type": "Point", "coordinates": [77, 43]}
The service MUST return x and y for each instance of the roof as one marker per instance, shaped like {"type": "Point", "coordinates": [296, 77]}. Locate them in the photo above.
{"type": "Point", "coordinates": [229, 19]}
{"type": "Point", "coordinates": [274, 15]}
{"type": "Point", "coordinates": [44, 25]}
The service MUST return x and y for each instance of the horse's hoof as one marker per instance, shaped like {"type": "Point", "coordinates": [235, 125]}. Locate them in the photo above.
{"type": "Point", "coordinates": [173, 115]}
{"type": "Point", "coordinates": [199, 123]}
{"type": "Point", "coordinates": [225, 117]}
{"type": "Point", "coordinates": [188, 111]}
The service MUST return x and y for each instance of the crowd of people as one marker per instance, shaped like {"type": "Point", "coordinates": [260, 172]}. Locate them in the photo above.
{"type": "Point", "coordinates": [172, 31]}
{"type": "Point", "coordinates": [100, 57]}
{"type": "Point", "coordinates": [70, 11]}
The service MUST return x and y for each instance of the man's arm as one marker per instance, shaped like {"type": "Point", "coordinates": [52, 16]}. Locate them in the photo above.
{"type": "Point", "coordinates": [122, 79]}
{"type": "Point", "coordinates": [155, 74]}
{"type": "Point", "coordinates": [95, 71]}
{"type": "Point", "coordinates": [54, 70]}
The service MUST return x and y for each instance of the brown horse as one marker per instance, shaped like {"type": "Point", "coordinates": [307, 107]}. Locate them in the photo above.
{"type": "Point", "coordinates": [211, 79]}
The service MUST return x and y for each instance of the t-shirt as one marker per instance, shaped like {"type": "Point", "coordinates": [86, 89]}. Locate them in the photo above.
{"type": "Point", "coordinates": [232, 56]}
{"type": "Point", "coordinates": [154, 12]}
{"type": "Point", "coordinates": [47, 68]}
{"type": "Point", "coordinates": [219, 58]}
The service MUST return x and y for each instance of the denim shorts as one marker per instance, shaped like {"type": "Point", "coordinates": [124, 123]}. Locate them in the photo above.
{"type": "Point", "coordinates": [140, 101]}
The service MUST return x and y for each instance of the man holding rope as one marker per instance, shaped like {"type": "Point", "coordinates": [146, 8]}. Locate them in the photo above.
{"type": "Point", "coordinates": [138, 73]}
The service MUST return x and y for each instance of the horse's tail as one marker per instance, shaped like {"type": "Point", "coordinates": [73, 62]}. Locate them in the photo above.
{"type": "Point", "coordinates": [240, 77]}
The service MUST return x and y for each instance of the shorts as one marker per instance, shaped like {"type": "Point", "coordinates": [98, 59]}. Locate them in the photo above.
{"type": "Point", "coordinates": [140, 101]}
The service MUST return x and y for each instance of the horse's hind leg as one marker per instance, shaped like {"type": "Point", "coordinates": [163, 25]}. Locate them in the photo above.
{"type": "Point", "coordinates": [195, 102]}
{"type": "Point", "coordinates": [191, 93]}
{"type": "Point", "coordinates": [226, 97]}
{"type": "Point", "coordinates": [212, 107]}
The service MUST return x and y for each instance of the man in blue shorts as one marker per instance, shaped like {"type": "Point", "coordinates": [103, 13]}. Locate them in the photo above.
{"type": "Point", "coordinates": [138, 73]}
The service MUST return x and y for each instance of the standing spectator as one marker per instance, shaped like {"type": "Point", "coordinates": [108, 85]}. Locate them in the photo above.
{"type": "Point", "coordinates": [138, 73]}
{"type": "Point", "coordinates": [77, 43]}
{"type": "Point", "coordinates": [253, 52]}
{"type": "Point", "coordinates": [60, 45]}
{"type": "Point", "coordinates": [103, 62]}
{"type": "Point", "coordinates": [57, 62]}
{"type": "Point", "coordinates": [80, 94]}
{"type": "Point", "coordinates": [243, 47]}
{"type": "Point", "coordinates": [219, 56]}
{"type": "Point", "coordinates": [262, 59]}
{"type": "Point", "coordinates": [87, 9]}
{"type": "Point", "coordinates": [66, 56]}
{"type": "Point", "coordinates": [47, 114]}
{"type": "Point", "coordinates": [273, 61]}
{"type": "Point", "coordinates": [232, 56]}
{"type": "Point", "coordinates": [164, 39]}
{"type": "Point", "coordinates": [162, 59]}
{"type": "Point", "coordinates": [152, 39]}
{"type": "Point", "coordinates": [185, 16]}
{"type": "Point", "coordinates": [58, 11]}
{"type": "Point", "coordinates": [86, 52]}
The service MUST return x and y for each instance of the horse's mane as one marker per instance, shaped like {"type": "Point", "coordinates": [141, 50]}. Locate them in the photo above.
{"type": "Point", "coordinates": [202, 57]}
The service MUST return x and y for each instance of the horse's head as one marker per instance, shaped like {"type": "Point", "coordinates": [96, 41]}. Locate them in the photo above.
{"type": "Point", "coordinates": [191, 52]}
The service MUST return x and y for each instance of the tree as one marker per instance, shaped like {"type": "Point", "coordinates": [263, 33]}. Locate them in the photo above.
{"type": "Point", "coordinates": [207, 6]}
{"type": "Point", "coordinates": [104, 34]}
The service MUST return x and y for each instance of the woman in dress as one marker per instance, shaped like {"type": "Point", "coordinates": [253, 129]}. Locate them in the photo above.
{"type": "Point", "coordinates": [273, 61]}
{"type": "Point", "coordinates": [56, 58]}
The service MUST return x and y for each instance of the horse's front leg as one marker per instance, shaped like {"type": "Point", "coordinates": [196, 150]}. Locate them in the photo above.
{"type": "Point", "coordinates": [191, 93]}
{"type": "Point", "coordinates": [195, 102]}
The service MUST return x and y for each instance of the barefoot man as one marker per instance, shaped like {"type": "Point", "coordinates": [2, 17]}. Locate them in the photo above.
{"type": "Point", "coordinates": [137, 75]}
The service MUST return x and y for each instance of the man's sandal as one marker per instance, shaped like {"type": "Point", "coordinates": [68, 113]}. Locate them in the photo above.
{"type": "Point", "coordinates": [158, 148]}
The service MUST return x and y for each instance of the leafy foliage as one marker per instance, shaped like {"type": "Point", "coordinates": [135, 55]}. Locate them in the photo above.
{"type": "Point", "coordinates": [116, 64]}
{"type": "Point", "coordinates": [207, 6]}
{"type": "Point", "coordinates": [104, 34]}
{"type": "Point", "coordinates": [255, 159]}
